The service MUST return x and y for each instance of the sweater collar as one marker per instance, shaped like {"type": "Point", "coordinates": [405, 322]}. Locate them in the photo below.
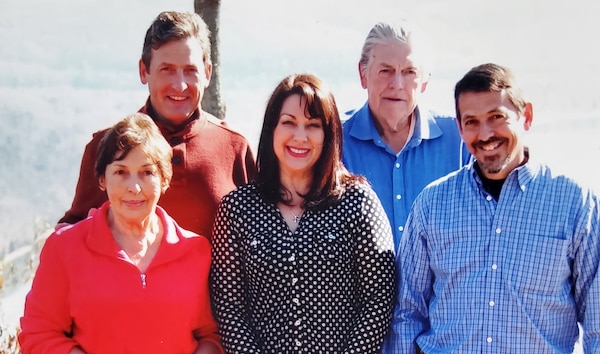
{"type": "Point", "coordinates": [167, 127]}
{"type": "Point", "coordinates": [172, 245]}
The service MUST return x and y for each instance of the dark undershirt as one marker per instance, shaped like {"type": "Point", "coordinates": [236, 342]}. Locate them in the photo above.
{"type": "Point", "coordinates": [492, 186]}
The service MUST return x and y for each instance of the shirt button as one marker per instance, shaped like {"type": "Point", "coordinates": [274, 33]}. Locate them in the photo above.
{"type": "Point", "coordinates": [398, 196]}
{"type": "Point", "coordinates": [498, 230]}
{"type": "Point", "coordinates": [488, 198]}
{"type": "Point", "coordinates": [176, 140]}
{"type": "Point", "coordinates": [297, 323]}
{"type": "Point", "coordinates": [296, 301]}
{"type": "Point", "coordinates": [292, 258]}
{"type": "Point", "coordinates": [176, 160]}
{"type": "Point", "coordinates": [397, 164]}
{"type": "Point", "coordinates": [494, 266]}
{"type": "Point", "coordinates": [489, 339]}
{"type": "Point", "coordinates": [294, 281]}
{"type": "Point", "coordinates": [298, 343]}
{"type": "Point", "coordinates": [523, 188]}
{"type": "Point", "coordinates": [400, 228]}
{"type": "Point", "coordinates": [492, 303]}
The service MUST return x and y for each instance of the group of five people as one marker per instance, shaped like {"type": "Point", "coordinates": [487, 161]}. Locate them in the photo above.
{"type": "Point", "coordinates": [395, 231]}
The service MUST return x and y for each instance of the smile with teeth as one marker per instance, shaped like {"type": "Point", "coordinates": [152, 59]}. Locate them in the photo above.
{"type": "Point", "coordinates": [490, 146]}
{"type": "Point", "coordinates": [177, 98]}
{"type": "Point", "coordinates": [297, 151]}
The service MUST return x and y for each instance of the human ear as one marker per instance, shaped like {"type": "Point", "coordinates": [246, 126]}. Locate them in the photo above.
{"type": "Point", "coordinates": [528, 115]}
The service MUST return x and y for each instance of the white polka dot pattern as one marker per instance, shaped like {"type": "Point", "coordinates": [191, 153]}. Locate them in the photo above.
{"type": "Point", "coordinates": [325, 288]}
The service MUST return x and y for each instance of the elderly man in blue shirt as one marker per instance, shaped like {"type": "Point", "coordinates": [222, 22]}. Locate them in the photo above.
{"type": "Point", "coordinates": [501, 256]}
{"type": "Point", "coordinates": [398, 145]}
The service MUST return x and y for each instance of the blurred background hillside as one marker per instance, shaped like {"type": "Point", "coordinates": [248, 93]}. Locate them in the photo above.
{"type": "Point", "coordinates": [69, 68]}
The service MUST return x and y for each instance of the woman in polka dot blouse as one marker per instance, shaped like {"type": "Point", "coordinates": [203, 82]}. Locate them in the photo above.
{"type": "Point", "coordinates": [303, 257]}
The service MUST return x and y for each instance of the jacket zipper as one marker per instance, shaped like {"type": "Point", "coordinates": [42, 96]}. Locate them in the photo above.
{"type": "Point", "coordinates": [143, 277]}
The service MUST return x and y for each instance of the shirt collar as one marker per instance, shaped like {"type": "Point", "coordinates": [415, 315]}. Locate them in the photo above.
{"type": "Point", "coordinates": [523, 174]}
{"type": "Point", "coordinates": [425, 127]}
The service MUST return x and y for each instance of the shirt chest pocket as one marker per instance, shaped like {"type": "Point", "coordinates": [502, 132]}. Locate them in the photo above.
{"type": "Point", "coordinates": [264, 251]}
{"type": "Point", "coordinates": [538, 265]}
{"type": "Point", "coordinates": [333, 249]}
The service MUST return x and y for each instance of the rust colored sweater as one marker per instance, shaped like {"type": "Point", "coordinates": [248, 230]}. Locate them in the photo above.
{"type": "Point", "coordinates": [209, 160]}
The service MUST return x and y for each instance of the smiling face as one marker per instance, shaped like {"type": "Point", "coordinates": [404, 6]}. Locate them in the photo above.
{"type": "Point", "coordinates": [176, 78]}
{"type": "Point", "coordinates": [393, 81]}
{"type": "Point", "coordinates": [133, 185]}
{"type": "Point", "coordinates": [492, 128]}
{"type": "Point", "coordinates": [297, 139]}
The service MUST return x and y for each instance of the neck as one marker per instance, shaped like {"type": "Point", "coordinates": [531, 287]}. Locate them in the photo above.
{"type": "Point", "coordinates": [140, 242]}
{"type": "Point", "coordinates": [395, 133]}
{"type": "Point", "coordinates": [296, 186]}
{"type": "Point", "coordinates": [173, 125]}
{"type": "Point", "coordinates": [134, 235]}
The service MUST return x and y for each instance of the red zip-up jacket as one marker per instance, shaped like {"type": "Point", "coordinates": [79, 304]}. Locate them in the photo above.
{"type": "Point", "coordinates": [86, 293]}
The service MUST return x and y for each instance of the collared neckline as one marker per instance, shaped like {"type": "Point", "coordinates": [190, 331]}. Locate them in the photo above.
{"type": "Point", "coordinates": [364, 127]}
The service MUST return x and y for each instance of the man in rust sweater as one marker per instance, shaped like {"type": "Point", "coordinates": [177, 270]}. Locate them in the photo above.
{"type": "Point", "coordinates": [209, 159]}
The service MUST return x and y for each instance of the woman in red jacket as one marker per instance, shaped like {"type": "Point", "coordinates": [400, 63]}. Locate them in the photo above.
{"type": "Point", "coordinates": [127, 279]}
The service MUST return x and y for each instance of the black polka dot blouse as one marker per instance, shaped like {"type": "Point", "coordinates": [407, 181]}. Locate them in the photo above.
{"type": "Point", "coordinates": [327, 287]}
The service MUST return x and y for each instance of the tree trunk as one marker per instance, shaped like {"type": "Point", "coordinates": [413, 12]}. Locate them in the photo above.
{"type": "Point", "coordinates": [212, 101]}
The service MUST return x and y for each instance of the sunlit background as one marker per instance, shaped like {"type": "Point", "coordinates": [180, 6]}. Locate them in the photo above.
{"type": "Point", "coordinates": [69, 68]}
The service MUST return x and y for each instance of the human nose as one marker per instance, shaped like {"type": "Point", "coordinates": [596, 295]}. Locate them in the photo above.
{"type": "Point", "coordinates": [178, 80]}
{"type": "Point", "coordinates": [300, 133]}
{"type": "Point", "coordinates": [134, 186]}
{"type": "Point", "coordinates": [486, 131]}
{"type": "Point", "coordinates": [397, 81]}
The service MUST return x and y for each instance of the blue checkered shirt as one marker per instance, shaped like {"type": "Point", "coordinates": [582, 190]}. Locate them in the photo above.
{"type": "Point", "coordinates": [515, 275]}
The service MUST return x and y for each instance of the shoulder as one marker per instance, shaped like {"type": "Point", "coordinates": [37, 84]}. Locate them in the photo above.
{"type": "Point", "coordinates": [446, 122]}
{"type": "Point", "coordinates": [563, 181]}
{"type": "Point", "coordinates": [96, 137]}
{"type": "Point", "coordinates": [359, 190]}
{"type": "Point", "coordinates": [349, 117]}
{"type": "Point", "coordinates": [69, 238]}
{"type": "Point", "coordinates": [443, 186]}
{"type": "Point", "coordinates": [221, 126]}
{"type": "Point", "coordinates": [244, 192]}
{"type": "Point", "coordinates": [181, 237]}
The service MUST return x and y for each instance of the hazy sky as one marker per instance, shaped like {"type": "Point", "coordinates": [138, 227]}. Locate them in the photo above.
{"type": "Point", "coordinates": [551, 45]}
{"type": "Point", "coordinates": [78, 45]}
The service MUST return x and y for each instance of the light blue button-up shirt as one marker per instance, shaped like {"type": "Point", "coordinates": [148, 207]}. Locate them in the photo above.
{"type": "Point", "coordinates": [510, 276]}
{"type": "Point", "coordinates": [434, 150]}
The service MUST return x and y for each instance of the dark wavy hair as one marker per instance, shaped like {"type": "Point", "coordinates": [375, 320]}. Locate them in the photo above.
{"type": "Point", "coordinates": [330, 177]}
{"type": "Point", "coordinates": [171, 26]}
{"type": "Point", "coordinates": [487, 78]}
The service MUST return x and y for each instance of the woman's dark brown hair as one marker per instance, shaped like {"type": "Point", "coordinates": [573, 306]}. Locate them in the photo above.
{"type": "Point", "coordinates": [330, 177]}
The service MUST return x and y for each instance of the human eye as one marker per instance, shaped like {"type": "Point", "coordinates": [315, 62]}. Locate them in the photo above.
{"type": "Point", "coordinates": [192, 70]}
{"type": "Point", "coordinates": [149, 170]}
{"type": "Point", "coordinates": [384, 70]}
{"type": "Point", "coordinates": [315, 123]}
{"type": "Point", "coordinates": [286, 120]}
{"type": "Point", "coordinates": [119, 172]}
{"type": "Point", "coordinates": [469, 122]}
{"type": "Point", "coordinates": [165, 69]}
